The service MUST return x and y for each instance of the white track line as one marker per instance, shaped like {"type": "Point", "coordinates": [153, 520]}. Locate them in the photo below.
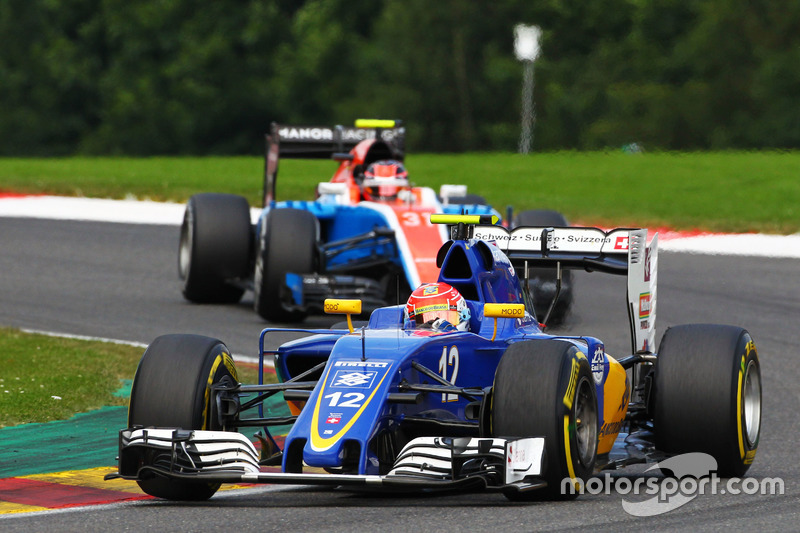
{"type": "Point", "coordinates": [236, 357]}
{"type": "Point", "coordinates": [148, 212]}
{"type": "Point", "coordinates": [96, 209]}
{"type": "Point", "coordinates": [745, 244]}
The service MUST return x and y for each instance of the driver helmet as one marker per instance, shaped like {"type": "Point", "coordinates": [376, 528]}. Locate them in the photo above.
{"type": "Point", "coordinates": [437, 306]}
{"type": "Point", "coordinates": [389, 170]}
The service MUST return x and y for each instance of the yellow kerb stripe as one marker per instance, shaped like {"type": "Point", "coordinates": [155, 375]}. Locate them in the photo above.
{"type": "Point", "coordinates": [10, 508]}
{"type": "Point", "coordinates": [90, 477]}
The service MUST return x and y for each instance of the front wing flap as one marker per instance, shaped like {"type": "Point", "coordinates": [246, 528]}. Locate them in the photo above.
{"type": "Point", "coordinates": [442, 463]}
{"type": "Point", "coordinates": [185, 452]}
{"type": "Point", "coordinates": [309, 291]}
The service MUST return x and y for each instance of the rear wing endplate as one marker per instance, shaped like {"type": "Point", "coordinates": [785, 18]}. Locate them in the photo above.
{"type": "Point", "coordinates": [622, 251]}
{"type": "Point", "coordinates": [323, 142]}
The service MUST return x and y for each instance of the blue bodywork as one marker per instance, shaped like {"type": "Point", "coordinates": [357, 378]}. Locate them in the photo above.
{"type": "Point", "coordinates": [366, 405]}
{"type": "Point", "coordinates": [340, 223]}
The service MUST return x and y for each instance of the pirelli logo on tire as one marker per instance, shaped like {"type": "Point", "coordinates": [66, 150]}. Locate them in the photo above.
{"type": "Point", "coordinates": [569, 396]}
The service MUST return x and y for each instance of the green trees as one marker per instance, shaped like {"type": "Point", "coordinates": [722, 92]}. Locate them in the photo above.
{"type": "Point", "coordinates": [184, 77]}
{"type": "Point", "coordinates": [46, 76]}
{"type": "Point", "coordinates": [192, 77]}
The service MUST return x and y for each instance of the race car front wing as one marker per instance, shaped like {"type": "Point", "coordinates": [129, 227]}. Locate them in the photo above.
{"type": "Point", "coordinates": [443, 463]}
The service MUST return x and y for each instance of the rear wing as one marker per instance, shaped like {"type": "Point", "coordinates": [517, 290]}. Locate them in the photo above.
{"type": "Point", "coordinates": [324, 142]}
{"type": "Point", "coordinates": [622, 251]}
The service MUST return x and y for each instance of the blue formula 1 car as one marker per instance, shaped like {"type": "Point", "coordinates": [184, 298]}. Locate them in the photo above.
{"type": "Point", "coordinates": [458, 389]}
{"type": "Point", "coordinates": [366, 235]}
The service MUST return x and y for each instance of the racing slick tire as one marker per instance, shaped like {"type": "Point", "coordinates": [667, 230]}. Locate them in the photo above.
{"type": "Point", "coordinates": [172, 389]}
{"type": "Point", "coordinates": [288, 243]}
{"type": "Point", "coordinates": [214, 249]}
{"type": "Point", "coordinates": [543, 280]}
{"type": "Point", "coordinates": [707, 395]}
{"type": "Point", "coordinates": [544, 388]}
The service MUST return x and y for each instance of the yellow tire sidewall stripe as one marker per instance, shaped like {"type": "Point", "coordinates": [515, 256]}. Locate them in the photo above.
{"type": "Point", "coordinates": [568, 454]}
{"type": "Point", "coordinates": [739, 410]}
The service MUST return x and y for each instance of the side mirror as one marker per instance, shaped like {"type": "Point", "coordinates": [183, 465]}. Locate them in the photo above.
{"type": "Point", "coordinates": [343, 307]}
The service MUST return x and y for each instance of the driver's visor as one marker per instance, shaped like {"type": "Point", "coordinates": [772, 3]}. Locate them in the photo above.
{"type": "Point", "coordinates": [434, 311]}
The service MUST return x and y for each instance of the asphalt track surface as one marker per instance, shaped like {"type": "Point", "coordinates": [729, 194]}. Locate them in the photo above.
{"type": "Point", "coordinates": [119, 281]}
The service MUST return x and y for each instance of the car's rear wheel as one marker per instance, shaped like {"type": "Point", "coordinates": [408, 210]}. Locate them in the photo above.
{"type": "Point", "coordinates": [707, 395]}
{"type": "Point", "coordinates": [544, 388]}
{"type": "Point", "coordinates": [287, 244]}
{"type": "Point", "coordinates": [214, 250]}
{"type": "Point", "coordinates": [172, 389]}
{"type": "Point", "coordinates": [543, 280]}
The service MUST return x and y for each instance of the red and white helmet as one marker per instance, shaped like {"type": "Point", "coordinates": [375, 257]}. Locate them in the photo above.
{"type": "Point", "coordinates": [434, 302]}
{"type": "Point", "coordinates": [384, 179]}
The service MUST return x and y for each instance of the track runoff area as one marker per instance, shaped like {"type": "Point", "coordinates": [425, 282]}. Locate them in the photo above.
{"type": "Point", "coordinates": [63, 490]}
{"type": "Point", "coordinates": [147, 212]}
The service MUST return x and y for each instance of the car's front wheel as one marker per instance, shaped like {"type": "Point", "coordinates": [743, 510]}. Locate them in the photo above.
{"type": "Point", "coordinates": [544, 388]}
{"type": "Point", "coordinates": [172, 389]}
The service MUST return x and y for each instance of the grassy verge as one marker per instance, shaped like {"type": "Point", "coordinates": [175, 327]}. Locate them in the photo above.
{"type": "Point", "coordinates": [45, 378]}
{"type": "Point", "coordinates": [719, 191]}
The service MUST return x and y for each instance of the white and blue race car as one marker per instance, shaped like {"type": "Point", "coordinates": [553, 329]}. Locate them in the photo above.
{"type": "Point", "coordinates": [367, 234]}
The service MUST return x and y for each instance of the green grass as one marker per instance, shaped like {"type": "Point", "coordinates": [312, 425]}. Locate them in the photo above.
{"type": "Point", "coordinates": [48, 378]}
{"type": "Point", "coordinates": [45, 378]}
{"type": "Point", "coordinates": [157, 178]}
{"type": "Point", "coordinates": [719, 191]}
{"type": "Point", "coordinates": [712, 191]}
{"type": "Point", "coordinates": [729, 191]}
